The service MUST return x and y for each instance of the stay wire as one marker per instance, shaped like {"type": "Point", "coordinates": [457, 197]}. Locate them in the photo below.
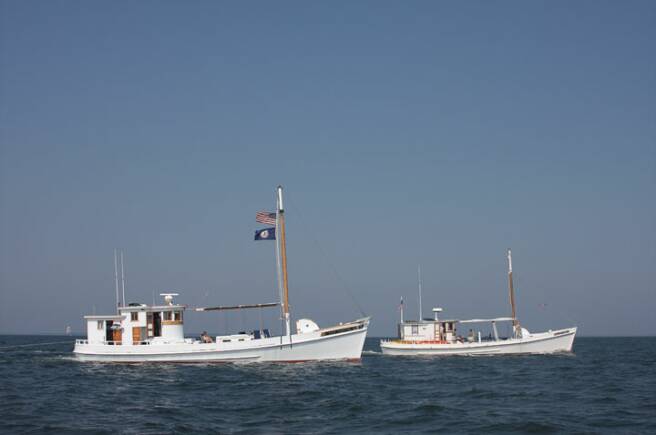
{"type": "Point", "coordinates": [550, 307]}
{"type": "Point", "coordinates": [333, 269]}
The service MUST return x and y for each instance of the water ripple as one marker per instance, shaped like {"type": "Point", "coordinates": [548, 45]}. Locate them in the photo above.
{"type": "Point", "coordinates": [606, 386]}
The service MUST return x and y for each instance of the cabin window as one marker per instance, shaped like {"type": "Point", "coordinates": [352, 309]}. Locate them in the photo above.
{"type": "Point", "coordinates": [134, 316]}
{"type": "Point", "coordinates": [100, 325]}
{"type": "Point", "coordinates": [177, 315]}
{"type": "Point", "coordinates": [167, 315]}
{"type": "Point", "coordinates": [415, 330]}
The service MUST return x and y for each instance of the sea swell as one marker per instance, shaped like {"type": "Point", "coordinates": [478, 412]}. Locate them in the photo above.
{"type": "Point", "coordinates": [607, 385]}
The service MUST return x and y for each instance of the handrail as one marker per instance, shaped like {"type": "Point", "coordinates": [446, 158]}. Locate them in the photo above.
{"type": "Point", "coordinates": [111, 342]}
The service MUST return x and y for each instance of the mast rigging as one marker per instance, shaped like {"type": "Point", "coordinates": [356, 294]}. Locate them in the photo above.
{"type": "Point", "coordinates": [511, 290]}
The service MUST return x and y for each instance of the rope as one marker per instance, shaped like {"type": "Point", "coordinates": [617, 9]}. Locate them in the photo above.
{"type": "Point", "coordinates": [325, 256]}
{"type": "Point", "coordinates": [35, 344]}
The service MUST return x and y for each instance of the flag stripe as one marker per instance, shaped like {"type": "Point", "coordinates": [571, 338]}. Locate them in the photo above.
{"type": "Point", "coordinates": [265, 217]}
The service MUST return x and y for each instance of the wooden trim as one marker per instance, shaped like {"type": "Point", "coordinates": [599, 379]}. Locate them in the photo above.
{"type": "Point", "coordinates": [117, 336]}
{"type": "Point", "coordinates": [136, 334]}
{"type": "Point", "coordinates": [283, 255]}
{"type": "Point", "coordinates": [171, 322]}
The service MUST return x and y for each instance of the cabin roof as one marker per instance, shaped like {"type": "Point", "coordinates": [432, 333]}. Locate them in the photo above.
{"type": "Point", "coordinates": [418, 322]}
{"type": "Point", "coordinates": [496, 319]}
{"type": "Point", "coordinates": [105, 317]}
{"type": "Point", "coordinates": [145, 307]}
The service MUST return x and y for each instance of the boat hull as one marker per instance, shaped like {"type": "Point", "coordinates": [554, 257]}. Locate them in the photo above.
{"type": "Point", "coordinates": [303, 347]}
{"type": "Point", "coordinates": [539, 343]}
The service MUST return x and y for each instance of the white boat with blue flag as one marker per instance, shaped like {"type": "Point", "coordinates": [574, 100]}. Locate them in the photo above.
{"type": "Point", "coordinates": [155, 333]}
{"type": "Point", "coordinates": [441, 337]}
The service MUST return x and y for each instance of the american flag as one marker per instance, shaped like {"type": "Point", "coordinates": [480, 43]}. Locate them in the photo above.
{"type": "Point", "coordinates": [265, 217]}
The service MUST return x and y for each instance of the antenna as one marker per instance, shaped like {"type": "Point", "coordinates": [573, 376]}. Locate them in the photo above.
{"type": "Point", "coordinates": [122, 278]}
{"type": "Point", "coordinates": [116, 282]}
{"type": "Point", "coordinates": [419, 280]}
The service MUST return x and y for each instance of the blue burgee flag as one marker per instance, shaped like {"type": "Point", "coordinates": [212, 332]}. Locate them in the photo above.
{"type": "Point", "coordinates": [265, 234]}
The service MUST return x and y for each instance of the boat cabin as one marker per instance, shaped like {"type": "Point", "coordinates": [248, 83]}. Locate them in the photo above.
{"type": "Point", "coordinates": [137, 324]}
{"type": "Point", "coordinates": [427, 330]}
{"type": "Point", "coordinates": [445, 331]}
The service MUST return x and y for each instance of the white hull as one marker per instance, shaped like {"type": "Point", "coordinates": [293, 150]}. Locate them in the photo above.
{"type": "Point", "coordinates": [538, 343]}
{"type": "Point", "coordinates": [303, 347]}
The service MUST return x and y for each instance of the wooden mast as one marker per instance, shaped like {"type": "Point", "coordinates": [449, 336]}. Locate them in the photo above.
{"type": "Point", "coordinates": [283, 257]}
{"type": "Point", "coordinates": [511, 289]}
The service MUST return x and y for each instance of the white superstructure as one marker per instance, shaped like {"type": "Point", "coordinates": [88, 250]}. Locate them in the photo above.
{"type": "Point", "coordinates": [142, 333]}
{"type": "Point", "coordinates": [440, 337]}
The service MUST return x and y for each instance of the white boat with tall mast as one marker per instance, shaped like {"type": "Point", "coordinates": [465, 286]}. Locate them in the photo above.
{"type": "Point", "coordinates": [439, 337]}
{"type": "Point", "coordinates": [143, 333]}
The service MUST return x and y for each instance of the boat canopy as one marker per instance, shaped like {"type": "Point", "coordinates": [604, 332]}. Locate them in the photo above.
{"type": "Point", "coordinates": [498, 319]}
{"type": "Point", "coordinates": [238, 307]}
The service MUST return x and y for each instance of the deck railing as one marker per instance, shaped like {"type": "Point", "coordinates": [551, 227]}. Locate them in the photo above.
{"type": "Point", "coordinates": [111, 342]}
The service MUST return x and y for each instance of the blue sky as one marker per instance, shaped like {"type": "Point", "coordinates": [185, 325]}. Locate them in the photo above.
{"type": "Point", "coordinates": [404, 133]}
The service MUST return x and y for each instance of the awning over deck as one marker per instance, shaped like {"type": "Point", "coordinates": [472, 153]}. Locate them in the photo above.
{"type": "Point", "coordinates": [238, 307]}
{"type": "Point", "coordinates": [497, 319]}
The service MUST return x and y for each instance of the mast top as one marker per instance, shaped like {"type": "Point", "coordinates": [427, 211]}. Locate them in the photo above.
{"type": "Point", "coordinates": [280, 207]}
{"type": "Point", "coordinates": [509, 261]}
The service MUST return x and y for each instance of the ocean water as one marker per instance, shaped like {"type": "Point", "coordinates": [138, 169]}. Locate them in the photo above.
{"type": "Point", "coordinates": [608, 385]}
